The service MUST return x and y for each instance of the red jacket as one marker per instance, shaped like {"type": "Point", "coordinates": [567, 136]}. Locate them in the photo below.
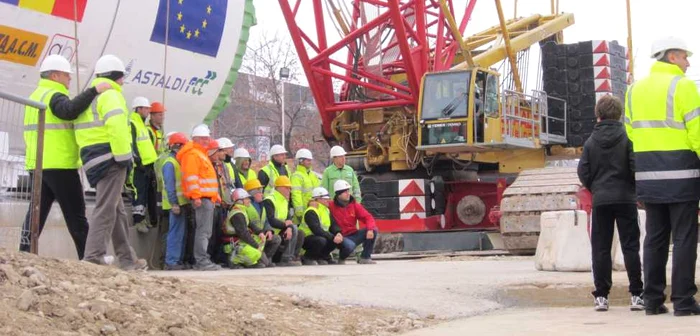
{"type": "Point", "coordinates": [347, 217]}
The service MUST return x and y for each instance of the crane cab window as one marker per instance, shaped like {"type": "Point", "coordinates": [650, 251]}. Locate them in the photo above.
{"type": "Point", "coordinates": [445, 95]}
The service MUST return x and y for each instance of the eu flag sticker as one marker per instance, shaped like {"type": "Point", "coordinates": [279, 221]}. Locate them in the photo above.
{"type": "Point", "coordinates": [193, 25]}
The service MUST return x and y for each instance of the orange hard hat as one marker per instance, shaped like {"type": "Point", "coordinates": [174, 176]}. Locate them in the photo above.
{"type": "Point", "coordinates": [177, 138]}
{"type": "Point", "coordinates": [213, 145]}
{"type": "Point", "coordinates": [157, 107]}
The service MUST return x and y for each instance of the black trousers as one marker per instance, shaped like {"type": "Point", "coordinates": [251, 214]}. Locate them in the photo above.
{"type": "Point", "coordinates": [64, 186]}
{"type": "Point", "coordinates": [146, 195]}
{"type": "Point", "coordinates": [681, 219]}
{"type": "Point", "coordinates": [215, 248]}
{"type": "Point", "coordinates": [318, 247]}
{"type": "Point", "coordinates": [604, 218]}
{"type": "Point", "coordinates": [190, 226]}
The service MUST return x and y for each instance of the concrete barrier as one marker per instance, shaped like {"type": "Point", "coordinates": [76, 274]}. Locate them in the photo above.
{"type": "Point", "coordinates": [563, 244]}
{"type": "Point", "coordinates": [617, 256]}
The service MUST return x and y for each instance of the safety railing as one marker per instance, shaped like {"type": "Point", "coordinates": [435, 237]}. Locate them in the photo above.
{"type": "Point", "coordinates": [526, 120]}
{"type": "Point", "coordinates": [16, 183]}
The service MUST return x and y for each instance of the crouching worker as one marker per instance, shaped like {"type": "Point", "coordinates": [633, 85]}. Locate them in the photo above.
{"type": "Point", "coordinates": [319, 229]}
{"type": "Point", "coordinates": [347, 214]}
{"type": "Point", "coordinates": [243, 249]}
{"type": "Point", "coordinates": [280, 218]}
{"type": "Point", "coordinates": [258, 218]}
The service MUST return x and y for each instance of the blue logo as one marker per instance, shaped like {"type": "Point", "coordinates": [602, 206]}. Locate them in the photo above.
{"type": "Point", "coordinates": [193, 25]}
{"type": "Point", "coordinates": [193, 85]}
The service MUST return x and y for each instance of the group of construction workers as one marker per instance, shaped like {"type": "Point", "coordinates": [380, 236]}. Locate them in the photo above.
{"type": "Point", "coordinates": [217, 210]}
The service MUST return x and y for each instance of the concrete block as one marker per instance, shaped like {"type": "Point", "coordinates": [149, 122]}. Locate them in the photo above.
{"type": "Point", "coordinates": [563, 243]}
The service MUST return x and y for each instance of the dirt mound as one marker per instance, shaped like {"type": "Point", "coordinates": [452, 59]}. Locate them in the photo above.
{"type": "Point", "coordinates": [62, 297]}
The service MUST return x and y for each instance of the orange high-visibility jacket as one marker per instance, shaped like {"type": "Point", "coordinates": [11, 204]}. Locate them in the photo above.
{"type": "Point", "coordinates": [198, 174]}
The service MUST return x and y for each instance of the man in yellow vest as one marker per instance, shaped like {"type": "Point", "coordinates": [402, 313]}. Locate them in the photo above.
{"type": "Point", "coordinates": [144, 178]}
{"type": "Point", "coordinates": [175, 202]}
{"type": "Point", "coordinates": [275, 168]}
{"type": "Point", "coordinates": [319, 229]}
{"type": "Point", "coordinates": [102, 134]}
{"type": "Point", "coordinates": [61, 181]}
{"type": "Point", "coordinates": [662, 118]}
{"type": "Point", "coordinates": [244, 173]}
{"type": "Point", "coordinates": [155, 126]}
{"type": "Point", "coordinates": [258, 218]}
{"type": "Point", "coordinates": [277, 208]}
{"type": "Point", "coordinates": [304, 180]}
{"type": "Point", "coordinates": [243, 248]}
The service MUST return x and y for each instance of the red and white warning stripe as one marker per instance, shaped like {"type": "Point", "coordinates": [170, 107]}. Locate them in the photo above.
{"type": "Point", "coordinates": [412, 204]}
{"type": "Point", "coordinates": [603, 85]}
{"type": "Point", "coordinates": [412, 187]}
{"type": "Point", "coordinates": [601, 60]}
{"type": "Point", "coordinates": [602, 72]}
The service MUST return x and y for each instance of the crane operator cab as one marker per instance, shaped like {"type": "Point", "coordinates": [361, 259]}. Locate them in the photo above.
{"type": "Point", "coordinates": [465, 111]}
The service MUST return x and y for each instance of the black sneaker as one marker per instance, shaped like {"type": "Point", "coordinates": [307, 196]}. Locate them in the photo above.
{"type": "Point", "coordinates": [176, 267]}
{"type": "Point", "coordinates": [636, 303]}
{"type": "Point", "coordinates": [601, 304]}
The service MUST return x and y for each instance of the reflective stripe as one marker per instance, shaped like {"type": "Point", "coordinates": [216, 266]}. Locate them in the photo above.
{"type": "Point", "coordinates": [113, 113]}
{"type": "Point", "coordinates": [123, 157]}
{"type": "Point", "coordinates": [667, 175]}
{"type": "Point", "coordinates": [35, 127]}
{"type": "Point", "coordinates": [209, 190]}
{"type": "Point", "coordinates": [691, 115]}
{"type": "Point", "coordinates": [192, 178]}
{"type": "Point", "coordinates": [296, 188]}
{"type": "Point", "coordinates": [670, 122]}
{"type": "Point", "coordinates": [192, 187]}
{"type": "Point", "coordinates": [209, 181]}
{"type": "Point", "coordinates": [627, 120]}
{"type": "Point", "coordinates": [143, 138]}
{"type": "Point", "coordinates": [97, 160]}
{"type": "Point", "coordinates": [92, 124]}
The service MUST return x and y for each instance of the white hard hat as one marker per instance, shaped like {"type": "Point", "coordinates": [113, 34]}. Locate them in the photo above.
{"type": "Point", "coordinates": [140, 102]}
{"type": "Point", "coordinates": [55, 63]}
{"type": "Point", "coordinates": [239, 194]}
{"type": "Point", "coordinates": [337, 151]}
{"type": "Point", "coordinates": [241, 153]}
{"type": "Point", "coordinates": [304, 154]}
{"type": "Point", "coordinates": [341, 185]}
{"type": "Point", "coordinates": [659, 46]}
{"type": "Point", "coordinates": [319, 192]}
{"type": "Point", "coordinates": [224, 143]}
{"type": "Point", "coordinates": [201, 130]}
{"type": "Point", "coordinates": [277, 149]}
{"type": "Point", "coordinates": [109, 63]}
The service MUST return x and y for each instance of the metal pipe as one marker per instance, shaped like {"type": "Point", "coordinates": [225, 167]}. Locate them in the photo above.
{"type": "Point", "coordinates": [36, 184]}
{"type": "Point", "coordinates": [456, 33]}
{"type": "Point", "coordinates": [629, 42]}
{"type": "Point", "coordinates": [509, 49]}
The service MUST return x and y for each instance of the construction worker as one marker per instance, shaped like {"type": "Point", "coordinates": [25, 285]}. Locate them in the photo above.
{"type": "Point", "coordinates": [356, 224]}
{"type": "Point", "coordinates": [275, 168]}
{"type": "Point", "coordinates": [144, 178]}
{"type": "Point", "coordinates": [229, 173]}
{"type": "Point", "coordinates": [280, 218]}
{"type": "Point", "coordinates": [155, 126]}
{"type": "Point", "coordinates": [244, 173]}
{"type": "Point", "coordinates": [174, 201]}
{"type": "Point", "coordinates": [319, 229]}
{"type": "Point", "coordinates": [216, 155]}
{"type": "Point", "coordinates": [103, 136]}
{"type": "Point", "coordinates": [258, 218]}
{"type": "Point", "coordinates": [661, 118]}
{"type": "Point", "coordinates": [243, 249]}
{"type": "Point", "coordinates": [304, 180]}
{"type": "Point", "coordinates": [340, 171]}
{"type": "Point", "coordinates": [60, 181]}
{"type": "Point", "coordinates": [200, 186]}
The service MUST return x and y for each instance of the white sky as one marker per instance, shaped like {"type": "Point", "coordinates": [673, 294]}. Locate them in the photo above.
{"type": "Point", "coordinates": [595, 20]}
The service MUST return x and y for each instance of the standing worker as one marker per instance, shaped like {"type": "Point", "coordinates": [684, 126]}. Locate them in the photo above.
{"type": "Point", "coordinates": [661, 118]}
{"type": "Point", "coordinates": [175, 202]}
{"type": "Point", "coordinates": [340, 171]}
{"type": "Point", "coordinates": [606, 169]}
{"type": "Point", "coordinates": [155, 126]}
{"type": "Point", "coordinates": [61, 181]}
{"type": "Point", "coordinates": [244, 173]}
{"type": "Point", "coordinates": [199, 184]}
{"type": "Point", "coordinates": [280, 218]}
{"type": "Point", "coordinates": [304, 180]}
{"type": "Point", "coordinates": [228, 171]}
{"type": "Point", "coordinates": [275, 168]}
{"type": "Point", "coordinates": [144, 177]}
{"type": "Point", "coordinates": [102, 133]}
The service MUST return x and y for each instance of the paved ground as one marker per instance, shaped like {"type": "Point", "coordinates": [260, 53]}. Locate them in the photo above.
{"type": "Point", "coordinates": [477, 293]}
